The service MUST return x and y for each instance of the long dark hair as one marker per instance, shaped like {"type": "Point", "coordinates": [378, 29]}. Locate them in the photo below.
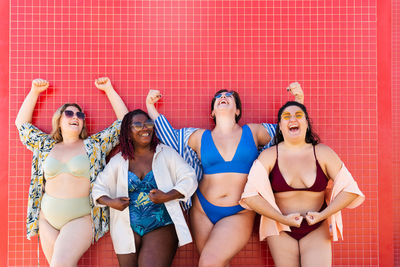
{"type": "Point", "coordinates": [127, 147]}
{"type": "Point", "coordinates": [311, 136]}
{"type": "Point", "coordinates": [237, 101]}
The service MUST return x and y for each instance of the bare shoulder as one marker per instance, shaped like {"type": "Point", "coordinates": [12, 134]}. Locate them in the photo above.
{"type": "Point", "coordinates": [268, 158]}
{"type": "Point", "coordinates": [325, 153]}
{"type": "Point", "coordinates": [260, 134]}
{"type": "Point", "coordinates": [196, 135]}
{"type": "Point", "coordinates": [256, 128]}
{"type": "Point", "coordinates": [328, 159]}
{"type": "Point", "coordinates": [195, 140]}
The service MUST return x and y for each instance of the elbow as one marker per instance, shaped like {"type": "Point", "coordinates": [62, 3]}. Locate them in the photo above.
{"type": "Point", "coordinates": [18, 123]}
{"type": "Point", "coordinates": [352, 197]}
{"type": "Point", "coordinates": [250, 201]}
{"type": "Point", "coordinates": [245, 201]}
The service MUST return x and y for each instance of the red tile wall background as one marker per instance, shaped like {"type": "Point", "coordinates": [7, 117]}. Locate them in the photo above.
{"type": "Point", "coordinates": [189, 49]}
{"type": "Point", "coordinates": [396, 126]}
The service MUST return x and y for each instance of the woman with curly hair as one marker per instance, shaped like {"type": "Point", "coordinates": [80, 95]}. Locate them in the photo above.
{"type": "Point", "coordinates": [143, 185]}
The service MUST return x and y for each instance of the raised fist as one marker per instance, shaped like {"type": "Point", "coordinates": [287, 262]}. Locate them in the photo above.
{"type": "Point", "coordinates": [103, 83]}
{"type": "Point", "coordinates": [39, 85]}
{"type": "Point", "coordinates": [153, 96]}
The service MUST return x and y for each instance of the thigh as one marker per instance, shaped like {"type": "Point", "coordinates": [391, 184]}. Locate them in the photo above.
{"type": "Point", "coordinates": [127, 260]}
{"type": "Point", "coordinates": [77, 232]}
{"type": "Point", "coordinates": [158, 247]}
{"type": "Point", "coordinates": [284, 250]}
{"type": "Point", "coordinates": [131, 259]}
{"type": "Point", "coordinates": [228, 236]}
{"type": "Point", "coordinates": [200, 225]}
{"type": "Point", "coordinates": [316, 248]}
{"type": "Point", "coordinates": [48, 236]}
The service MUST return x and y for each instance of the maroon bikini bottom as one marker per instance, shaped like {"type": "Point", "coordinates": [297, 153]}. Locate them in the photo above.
{"type": "Point", "coordinates": [304, 229]}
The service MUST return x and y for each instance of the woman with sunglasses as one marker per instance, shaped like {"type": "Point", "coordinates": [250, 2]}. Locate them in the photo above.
{"type": "Point", "coordinates": [65, 164]}
{"type": "Point", "coordinates": [288, 185]}
{"type": "Point", "coordinates": [143, 185]}
{"type": "Point", "coordinates": [222, 158]}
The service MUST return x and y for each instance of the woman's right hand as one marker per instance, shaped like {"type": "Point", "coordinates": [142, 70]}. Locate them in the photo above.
{"type": "Point", "coordinates": [39, 85]}
{"type": "Point", "coordinates": [119, 203]}
{"type": "Point", "coordinates": [153, 96]}
{"type": "Point", "coordinates": [103, 84]}
{"type": "Point", "coordinates": [293, 219]}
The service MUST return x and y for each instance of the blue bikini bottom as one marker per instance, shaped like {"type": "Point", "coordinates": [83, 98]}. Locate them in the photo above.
{"type": "Point", "coordinates": [216, 213]}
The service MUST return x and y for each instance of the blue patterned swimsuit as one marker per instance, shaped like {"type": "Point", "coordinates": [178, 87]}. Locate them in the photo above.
{"type": "Point", "coordinates": [145, 216]}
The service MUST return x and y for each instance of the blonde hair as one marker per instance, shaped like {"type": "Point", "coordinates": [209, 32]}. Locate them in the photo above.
{"type": "Point", "coordinates": [56, 130]}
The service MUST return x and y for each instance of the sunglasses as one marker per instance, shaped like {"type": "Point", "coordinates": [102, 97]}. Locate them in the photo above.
{"type": "Point", "coordinates": [298, 115]}
{"type": "Point", "coordinates": [70, 114]}
{"type": "Point", "coordinates": [226, 94]}
{"type": "Point", "coordinates": [138, 126]}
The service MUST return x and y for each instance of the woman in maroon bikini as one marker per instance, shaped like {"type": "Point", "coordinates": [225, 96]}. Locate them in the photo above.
{"type": "Point", "coordinates": [295, 215]}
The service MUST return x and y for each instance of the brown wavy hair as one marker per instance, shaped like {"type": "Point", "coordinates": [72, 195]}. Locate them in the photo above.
{"type": "Point", "coordinates": [56, 130]}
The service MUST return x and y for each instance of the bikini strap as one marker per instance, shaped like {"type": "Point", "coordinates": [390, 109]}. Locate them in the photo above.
{"type": "Point", "coordinates": [277, 152]}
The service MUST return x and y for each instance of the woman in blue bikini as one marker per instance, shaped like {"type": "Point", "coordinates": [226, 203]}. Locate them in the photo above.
{"type": "Point", "coordinates": [226, 154]}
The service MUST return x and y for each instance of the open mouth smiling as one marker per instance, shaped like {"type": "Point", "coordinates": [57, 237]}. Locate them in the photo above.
{"type": "Point", "coordinates": [223, 102]}
{"type": "Point", "coordinates": [293, 128]}
{"type": "Point", "coordinates": [145, 134]}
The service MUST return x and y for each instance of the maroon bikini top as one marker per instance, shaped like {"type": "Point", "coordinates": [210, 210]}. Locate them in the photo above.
{"type": "Point", "coordinates": [279, 184]}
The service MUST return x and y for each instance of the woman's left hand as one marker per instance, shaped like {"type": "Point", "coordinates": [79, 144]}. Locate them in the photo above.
{"type": "Point", "coordinates": [158, 196]}
{"type": "Point", "coordinates": [297, 91]}
{"type": "Point", "coordinates": [313, 217]}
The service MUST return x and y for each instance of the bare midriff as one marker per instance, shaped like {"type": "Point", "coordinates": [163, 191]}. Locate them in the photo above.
{"type": "Point", "coordinates": [65, 185]}
{"type": "Point", "coordinates": [223, 189]}
{"type": "Point", "coordinates": [299, 201]}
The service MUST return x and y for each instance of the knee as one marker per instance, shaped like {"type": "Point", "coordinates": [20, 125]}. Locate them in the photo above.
{"type": "Point", "coordinates": [212, 260]}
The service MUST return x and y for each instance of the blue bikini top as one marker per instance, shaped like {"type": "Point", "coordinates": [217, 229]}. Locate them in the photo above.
{"type": "Point", "coordinates": [212, 161]}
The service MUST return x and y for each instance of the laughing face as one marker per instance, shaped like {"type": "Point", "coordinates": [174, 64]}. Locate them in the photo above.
{"type": "Point", "coordinates": [70, 121]}
{"type": "Point", "coordinates": [293, 123]}
{"type": "Point", "coordinates": [142, 130]}
{"type": "Point", "coordinates": [225, 102]}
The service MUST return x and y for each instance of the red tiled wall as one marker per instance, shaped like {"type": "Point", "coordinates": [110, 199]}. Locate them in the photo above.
{"type": "Point", "coordinates": [396, 126]}
{"type": "Point", "coordinates": [190, 49]}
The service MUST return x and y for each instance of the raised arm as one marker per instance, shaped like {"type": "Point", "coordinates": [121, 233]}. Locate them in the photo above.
{"type": "Point", "coordinates": [27, 107]}
{"type": "Point", "coordinates": [152, 97]}
{"type": "Point", "coordinates": [265, 132]}
{"type": "Point", "coordinates": [296, 90]}
{"type": "Point", "coordinates": [117, 104]}
{"type": "Point", "coordinates": [164, 130]}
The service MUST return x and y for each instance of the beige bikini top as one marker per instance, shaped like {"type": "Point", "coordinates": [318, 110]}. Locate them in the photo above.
{"type": "Point", "coordinates": [77, 166]}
